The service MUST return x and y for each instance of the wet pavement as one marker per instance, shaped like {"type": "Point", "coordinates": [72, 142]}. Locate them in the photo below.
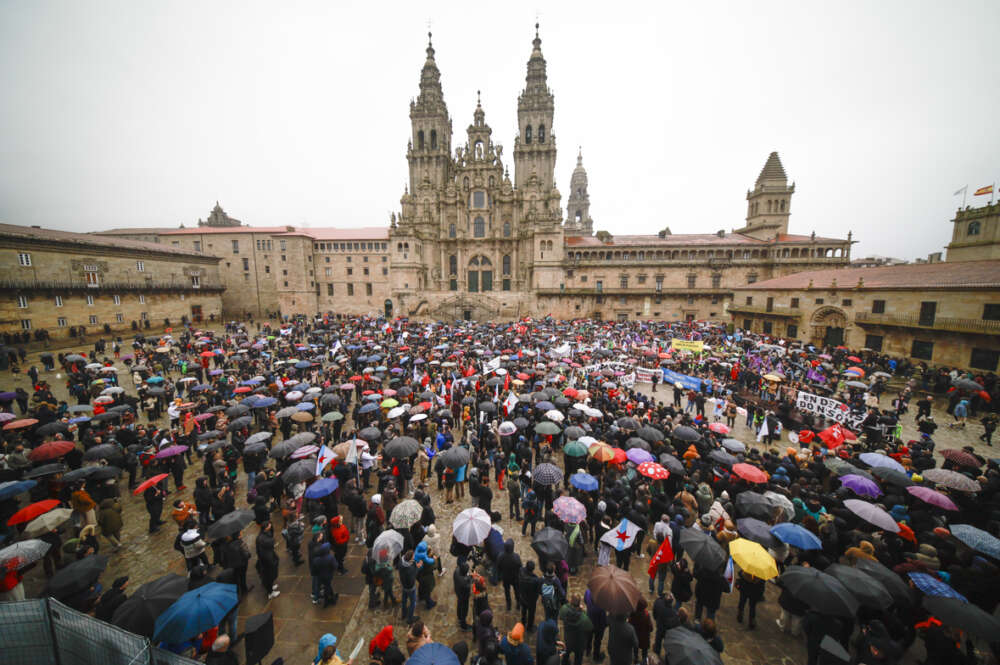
{"type": "Point", "coordinates": [299, 624]}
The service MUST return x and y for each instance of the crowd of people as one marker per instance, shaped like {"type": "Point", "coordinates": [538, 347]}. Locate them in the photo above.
{"type": "Point", "coordinates": [613, 519]}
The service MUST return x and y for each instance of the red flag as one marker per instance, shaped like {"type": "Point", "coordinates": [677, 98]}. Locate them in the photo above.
{"type": "Point", "coordinates": [506, 382]}
{"type": "Point", "coordinates": [664, 555]}
{"type": "Point", "coordinates": [425, 380]}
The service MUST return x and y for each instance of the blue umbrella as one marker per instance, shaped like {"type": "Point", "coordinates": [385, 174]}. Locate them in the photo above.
{"type": "Point", "coordinates": [265, 402]}
{"type": "Point", "coordinates": [368, 408]}
{"type": "Point", "coordinates": [544, 406]}
{"type": "Point", "coordinates": [250, 382]}
{"type": "Point", "coordinates": [155, 379]}
{"type": "Point", "coordinates": [583, 481]}
{"type": "Point", "coordinates": [15, 487]}
{"type": "Point", "coordinates": [433, 653]}
{"type": "Point", "coordinates": [79, 419]}
{"type": "Point", "coordinates": [199, 387]}
{"type": "Point", "coordinates": [322, 487]}
{"type": "Point", "coordinates": [301, 387]}
{"type": "Point", "coordinates": [796, 536]}
{"type": "Point", "coordinates": [977, 539]}
{"type": "Point", "coordinates": [303, 364]}
{"type": "Point", "coordinates": [195, 612]}
{"type": "Point", "coordinates": [932, 586]}
{"type": "Point", "coordinates": [305, 406]}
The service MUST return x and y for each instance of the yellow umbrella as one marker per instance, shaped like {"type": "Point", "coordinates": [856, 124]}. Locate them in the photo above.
{"type": "Point", "coordinates": [601, 451]}
{"type": "Point", "coordinates": [753, 559]}
{"type": "Point", "coordinates": [772, 377]}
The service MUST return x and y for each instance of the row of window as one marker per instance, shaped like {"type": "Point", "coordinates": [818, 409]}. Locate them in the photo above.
{"type": "Point", "coordinates": [350, 247]}
{"type": "Point", "coordinates": [692, 255]}
{"type": "Point", "coordinates": [350, 289]}
{"type": "Point", "coordinates": [24, 259]}
{"type": "Point", "coordinates": [24, 303]}
{"type": "Point", "coordinates": [93, 320]}
{"type": "Point", "coordinates": [328, 272]}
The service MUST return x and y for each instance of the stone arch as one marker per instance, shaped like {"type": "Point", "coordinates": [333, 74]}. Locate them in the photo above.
{"type": "Point", "coordinates": [828, 326]}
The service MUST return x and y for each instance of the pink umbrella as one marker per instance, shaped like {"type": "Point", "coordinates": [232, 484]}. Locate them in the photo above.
{"type": "Point", "coordinates": [933, 497]}
{"type": "Point", "coordinates": [569, 510]}
{"type": "Point", "coordinates": [719, 428]}
{"type": "Point", "coordinates": [203, 416]}
{"type": "Point", "coordinates": [305, 451]}
{"type": "Point", "coordinates": [170, 451]}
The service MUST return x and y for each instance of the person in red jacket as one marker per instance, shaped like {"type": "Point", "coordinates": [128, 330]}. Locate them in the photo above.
{"type": "Point", "coordinates": [341, 537]}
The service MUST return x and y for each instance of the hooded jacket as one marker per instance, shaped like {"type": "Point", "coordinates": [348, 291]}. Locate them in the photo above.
{"type": "Point", "coordinates": [110, 517]}
{"type": "Point", "coordinates": [421, 555]}
{"type": "Point", "coordinates": [545, 646]}
{"type": "Point", "coordinates": [622, 640]}
{"type": "Point", "coordinates": [326, 641]}
{"type": "Point", "coordinates": [485, 632]}
{"type": "Point", "coordinates": [323, 562]}
{"type": "Point", "coordinates": [598, 617]}
{"type": "Point", "coordinates": [576, 627]}
{"type": "Point", "coordinates": [407, 572]}
{"type": "Point", "coordinates": [509, 563]}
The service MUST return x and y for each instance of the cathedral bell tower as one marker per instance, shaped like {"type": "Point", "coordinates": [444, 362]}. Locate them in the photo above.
{"type": "Point", "coordinates": [535, 145]}
{"type": "Point", "coordinates": [429, 149]}
{"type": "Point", "coordinates": [769, 204]}
{"type": "Point", "coordinates": [578, 221]}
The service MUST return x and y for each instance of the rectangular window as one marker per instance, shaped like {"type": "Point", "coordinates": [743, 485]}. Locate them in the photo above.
{"type": "Point", "coordinates": [984, 359]}
{"type": "Point", "coordinates": [473, 281]}
{"type": "Point", "coordinates": [767, 327]}
{"type": "Point", "coordinates": [878, 307]}
{"type": "Point", "coordinates": [873, 342]}
{"type": "Point", "coordinates": [690, 300]}
{"type": "Point", "coordinates": [267, 270]}
{"type": "Point", "coordinates": [769, 306]}
{"type": "Point", "coordinates": [246, 263]}
{"type": "Point", "coordinates": [751, 279]}
{"type": "Point", "coordinates": [25, 324]}
{"type": "Point", "coordinates": [195, 282]}
{"type": "Point", "coordinates": [991, 312]}
{"type": "Point", "coordinates": [385, 271]}
{"type": "Point", "coordinates": [24, 258]}
{"type": "Point", "coordinates": [659, 284]}
{"type": "Point", "coordinates": [144, 316]}
{"type": "Point", "coordinates": [236, 247]}
{"type": "Point", "coordinates": [624, 282]}
{"type": "Point", "coordinates": [366, 271]}
{"type": "Point", "coordinates": [93, 319]}
{"type": "Point", "coordinates": [350, 289]}
{"type": "Point", "coordinates": [795, 303]}
{"type": "Point", "coordinates": [692, 279]}
{"type": "Point", "coordinates": [350, 271]}
{"type": "Point", "coordinates": [140, 266]}
{"type": "Point", "coordinates": [600, 301]}
{"type": "Point", "coordinates": [478, 199]}
{"type": "Point", "coordinates": [365, 259]}
{"type": "Point", "coordinates": [117, 299]}
{"type": "Point", "coordinates": [922, 350]}
{"type": "Point", "coordinates": [59, 301]}
{"type": "Point", "coordinates": [22, 302]}
{"type": "Point", "coordinates": [197, 245]}
{"type": "Point", "coordinates": [819, 301]}
{"type": "Point", "coordinates": [119, 317]}
{"type": "Point", "coordinates": [329, 289]}
{"type": "Point", "coordinates": [281, 245]}
{"type": "Point", "coordinates": [61, 322]}
{"type": "Point", "coordinates": [928, 311]}
{"type": "Point", "coordinates": [283, 258]}
{"type": "Point", "coordinates": [599, 285]}
{"type": "Point", "coordinates": [453, 284]}
{"type": "Point", "coordinates": [793, 330]}
{"type": "Point", "coordinates": [715, 299]}
{"type": "Point", "coordinates": [93, 279]}
{"type": "Point", "coordinates": [142, 299]}
{"type": "Point", "coordinates": [747, 324]}
{"type": "Point", "coordinates": [90, 300]}
{"type": "Point", "coordinates": [487, 280]}
{"type": "Point", "coordinates": [328, 272]}
{"type": "Point", "coordinates": [505, 285]}
{"type": "Point", "coordinates": [716, 281]}
{"type": "Point", "coordinates": [846, 302]}
{"type": "Point", "coordinates": [749, 300]}
{"type": "Point", "coordinates": [368, 289]}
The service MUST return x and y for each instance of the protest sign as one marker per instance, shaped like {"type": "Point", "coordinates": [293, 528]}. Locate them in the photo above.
{"type": "Point", "coordinates": [830, 409]}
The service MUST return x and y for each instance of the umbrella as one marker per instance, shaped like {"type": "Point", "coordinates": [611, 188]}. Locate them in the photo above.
{"type": "Point", "coordinates": [965, 616]}
{"type": "Point", "coordinates": [229, 524]}
{"type": "Point", "coordinates": [18, 424]}
{"type": "Point", "coordinates": [734, 446]}
{"type": "Point", "coordinates": [286, 412]}
{"type": "Point", "coordinates": [796, 535]}
{"type": "Point", "coordinates": [954, 455]}
{"type": "Point", "coordinates": [720, 456]}
{"type": "Point", "coordinates": [402, 446]}
{"type": "Point", "coordinates": [756, 530]}
{"type": "Point", "coordinates": [406, 513]}
{"type": "Point", "coordinates": [638, 456]}
{"type": "Point", "coordinates": [751, 504]}
{"type": "Point", "coordinates": [389, 540]}
{"type": "Point", "coordinates": [547, 474]}
{"type": "Point", "coordinates": [239, 423]}
{"type": "Point", "coordinates": [868, 590]}
{"type": "Point", "coordinates": [583, 481]}
{"type": "Point", "coordinates": [861, 486]}
{"type": "Point", "coordinates": [146, 484]}
{"type": "Point", "coordinates": [752, 558]}
{"type": "Point", "coordinates": [171, 451]}
{"type": "Point", "coordinates": [872, 514]}
{"type": "Point", "coordinates": [547, 427]}
{"type": "Point", "coordinates": [79, 474]}
{"type": "Point", "coordinates": [901, 593]}
{"type": "Point", "coordinates": [823, 593]}
{"type": "Point", "coordinates": [507, 428]}
{"type": "Point", "coordinates": [332, 416]}
{"type": "Point", "coordinates": [471, 526]}
{"type": "Point", "coordinates": [686, 647]}
{"type": "Point", "coordinates": [51, 428]}
{"type": "Point", "coordinates": [45, 470]}
{"type": "Point", "coordinates": [299, 472]}
{"type": "Point", "coordinates": [456, 457]}
{"type": "Point", "coordinates": [890, 475]}
{"type": "Point", "coordinates": [703, 549]}
{"type": "Point", "coordinates": [24, 552]}
{"type": "Point", "coordinates": [636, 442]}
{"type": "Point", "coordinates": [653, 470]}
{"type": "Point", "coordinates": [139, 612]}
{"type": "Point", "coordinates": [322, 487]}
{"type": "Point", "coordinates": [371, 434]}
{"type": "Point", "coordinates": [952, 479]}
{"type": "Point", "coordinates": [614, 590]}
{"type": "Point", "coordinates": [76, 577]}
{"type": "Point", "coordinates": [32, 511]}
{"type": "Point", "coordinates": [302, 417]}
{"type": "Point", "coordinates": [284, 449]}
{"type": "Point", "coordinates": [195, 612]}
{"type": "Point", "coordinates": [576, 449]}
{"type": "Point", "coordinates": [628, 423]}
{"type": "Point", "coordinates": [672, 464]}
{"type": "Point", "coordinates": [433, 653]}
{"type": "Point", "coordinates": [601, 452]}
{"type": "Point", "coordinates": [750, 473]}
{"type": "Point", "coordinates": [259, 436]}
{"type": "Point", "coordinates": [569, 510]}
{"type": "Point", "coordinates": [967, 384]}
{"type": "Point", "coordinates": [686, 434]}
{"type": "Point", "coordinates": [933, 497]}
{"type": "Point", "coordinates": [977, 539]}
{"type": "Point", "coordinates": [551, 544]}
{"type": "Point", "coordinates": [12, 488]}
{"type": "Point", "coordinates": [880, 461]}
{"type": "Point", "coordinates": [47, 522]}
{"type": "Point", "coordinates": [651, 434]}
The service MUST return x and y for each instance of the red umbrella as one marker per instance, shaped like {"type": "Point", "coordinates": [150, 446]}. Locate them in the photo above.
{"type": "Point", "coordinates": [854, 359]}
{"type": "Point", "coordinates": [619, 456]}
{"type": "Point", "coordinates": [959, 457]}
{"type": "Point", "coordinates": [50, 450]}
{"type": "Point", "coordinates": [146, 484]}
{"type": "Point", "coordinates": [29, 513]}
{"type": "Point", "coordinates": [654, 471]}
{"type": "Point", "coordinates": [206, 354]}
{"type": "Point", "coordinates": [750, 473]}
{"type": "Point", "coordinates": [242, 389]}
{"type": "Point", "coordinates": [18, 424]}
{"type": "Point", "coordinates": [806, 436]}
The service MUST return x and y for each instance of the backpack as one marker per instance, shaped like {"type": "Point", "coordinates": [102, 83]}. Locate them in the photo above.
{"type": "Point", "coordinates": [548, 594]}
{"type": "Point", "coordinates": [530, 502]}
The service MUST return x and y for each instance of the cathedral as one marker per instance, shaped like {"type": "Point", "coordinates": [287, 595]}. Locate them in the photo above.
{"type": "Point", "coordinates": [472, 242]}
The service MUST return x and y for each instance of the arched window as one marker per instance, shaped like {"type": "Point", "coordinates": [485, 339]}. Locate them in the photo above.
{"type": "Point", "coordinates": [479, 228]}
{"type": "Point", "coordinates": [527, 135]}
{"type": "Point", "coordinates": [769, 205]}
{"type": "Point", "coordinates": [506, 264]}
{"type": "Point", "coordinates": [451, 231]}
{"type": "Point", "coordinates": [434, 139]}
{"type": "Point", "coordinates": [420, 140]}
{"type": "Point", "coordinates": [974, 228]}
{"type": "Point", "coordinates": [453, 265]}
{"type": "Point", "coordinates": [480, 274]}
{"type": "Point", "coordinates": [465, 183]}
{"type": "Point", "coordinates": [506, 229]}
{"type": "Point", "coordinates": [492, 181]}
{"type": "Point", "coordinates": [541, 133]}
{"type": "Point", "coordinates": [579, 216]}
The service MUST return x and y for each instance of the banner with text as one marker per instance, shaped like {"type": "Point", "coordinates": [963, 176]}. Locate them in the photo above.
{"type": "Point", "coordinates": [688, 382]}
{"type": "Point", "coordinates": [829, 408]}
{"type": "Point", "coordinates": [625, 373]}
{"type": "Point", "coordinates": [694, 346]}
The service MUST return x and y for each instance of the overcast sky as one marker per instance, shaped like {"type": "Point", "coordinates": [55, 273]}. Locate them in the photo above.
{"type": "Point", "coordinates": [142, 113]}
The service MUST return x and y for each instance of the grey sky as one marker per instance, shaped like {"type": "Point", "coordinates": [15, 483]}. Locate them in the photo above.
{"type": "Point", "coordinates": [141, 113]}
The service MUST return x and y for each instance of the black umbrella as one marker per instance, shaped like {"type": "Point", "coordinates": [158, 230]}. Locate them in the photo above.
{"type": "Point", "coordinates": [237, 411]}
{"type": "Point", "coordinates": [138, 614]}
{"type": "Point", "coordinates": [299, 472]}
{"type": "Point", "coordinates": [52, 428]}
{"type": "Point", "coordinates": [107, 415]}
{"type": "Point", "coordinates": [823, 593]}
{"type": "Point", "coordinates": [551, 544]}
{"type": "Point", "coordinates": [572, 432]}
{"type": "Point", "coordinates": [891, 476]}
{"type": "Point", "coordinates": [650, 434]}
{"type": "Point", "coordinates": [455, 457]}
{"type": "Point", "coordinates": [284, 449]}
{"type": "Point", "coordinates": [901, 592]}
{"type": "Point", "coordinates": [370, 434]}
{"type": "Point", "coordinates": [210, 434]}
{"type": "Point", "coordinates": [868, 590]}
{"type": "Point", "coordinates": [672, 464]}
{"type": "Point", "coordinates": [685, 433]}
{"type": "Point", "coordinates": [79, 474]}
{"type": "Point", "coordinates": [966, 616]}
{"type": "Point", "coordinates": [722, 457]}
{"type": "Point", "coordinates": [105, 473]}
{"type": "Point", "coordinates": [703, 549]}
{"type": "Point", "coordinates": [239, 423]}
{"type": "Point", "coordinates": [628, 423]}
{"type": "Point", "coordinates": [967, 384]}
{"type": "Point", "coordinates": [102, 451]}
{"type": "Point", "coordinates": [686, 647]}
{"type": "Point", "coordinates": [45, 470]}
{"type": "Point", "coordinates": [401, 446]}
{"type": "Point", "coordinates": [76, 577]}
{"type": "Point", "coordinates": [487, 407]}
{"type": "Point", "coordinates": [751, 504]}
{"type": "Point", "coordinates": [229, 524]}
{"type": "Point", "coordinates": [547, 474]}
{"type": "Point", "coordinates": [756, 530]}
{"type": "Point", "coordinates": [636, 442]}
{"type": "Point", "coordinates": [522, 423]}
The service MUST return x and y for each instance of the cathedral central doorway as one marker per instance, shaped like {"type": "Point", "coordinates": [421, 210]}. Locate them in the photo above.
{"type": "Point", "coordinates": [388, 308]}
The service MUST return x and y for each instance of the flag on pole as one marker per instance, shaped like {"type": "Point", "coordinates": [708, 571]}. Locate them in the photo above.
{"type": "Point", "coordinates": [764, 431]}
{"type": "Point", "coordinates": [491, 366]}
{"type": "Point", "coordinates": [663, 556]}
{"type": "Point", "coordinates": [325, 455]}
{"type": "Point", "coordinates": [963, 189]}
{"type": "Point", "coordinates": [988, 189]}
{"type": "Point", "coordinates": [730, 575]}
{"type": "Point", "coordinates": [510, 403]}
{"type": "Point", "coordinates": [622, 536]}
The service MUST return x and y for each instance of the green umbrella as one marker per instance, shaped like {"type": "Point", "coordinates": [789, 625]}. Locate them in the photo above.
{"type": "Point", "coordinates": [332, 416]}
{"type": "Point", "coordinates": [388, 403]}
{"type": "Point", "coordinates": [575, 449]}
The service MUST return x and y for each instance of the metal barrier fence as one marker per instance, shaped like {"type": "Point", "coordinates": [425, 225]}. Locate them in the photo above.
{"type": "Point", "coordinates": [43, 631]}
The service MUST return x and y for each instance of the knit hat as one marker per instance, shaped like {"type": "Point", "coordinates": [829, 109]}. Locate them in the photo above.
{"type": "Point", "coordinates": [189, 536]}
{"type": "Point", "coordinates": [516, 633]}
{"type": "Point", "coordinates": [377, 499]}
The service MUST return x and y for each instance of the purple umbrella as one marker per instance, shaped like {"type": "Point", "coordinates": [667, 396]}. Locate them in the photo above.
{"type": "Point", "coordinates": [872, 514]}
{"type": "Point", "coordinates": [638, 456]}
{"type": "Point", "coordinates": [203, 416]}
{"type": "Point", "coordinates": [876, 460]}
{"type": "Point", "coordinates": [6, 415]}
{"type": "Point", "coordinates": [170, 451]}
{"type": "Point", "coordinates": [860, 486]}
{"type": "Point", "coordinates": [933, 497]}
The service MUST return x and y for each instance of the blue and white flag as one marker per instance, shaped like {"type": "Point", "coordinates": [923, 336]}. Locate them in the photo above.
{"type": "Point", "coordinates": [621, 537]}
{"type": "Point", "coordinates": [730, 575]}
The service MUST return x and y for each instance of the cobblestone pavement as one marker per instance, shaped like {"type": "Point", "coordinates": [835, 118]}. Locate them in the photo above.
{"type": "Point", "coordinates": [298, 623]}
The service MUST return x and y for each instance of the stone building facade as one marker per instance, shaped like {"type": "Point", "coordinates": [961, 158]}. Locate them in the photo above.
{"type": "Point", "coordinates": [939, 313]}
{"type": "Point", "coordinates": [58, 281]}
{"type": "Point", "coordinates": [975, 234]}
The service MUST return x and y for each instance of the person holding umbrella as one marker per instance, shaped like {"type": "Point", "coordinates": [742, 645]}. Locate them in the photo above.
{"type": "Point", "coordinates": [751, 593]}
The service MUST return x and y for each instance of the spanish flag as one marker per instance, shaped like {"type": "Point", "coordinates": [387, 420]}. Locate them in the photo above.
{"type": "Point", "coordinates": [988, 189]}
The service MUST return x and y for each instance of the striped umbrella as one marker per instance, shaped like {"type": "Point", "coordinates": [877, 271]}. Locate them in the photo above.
{"type": "Point", "coordinates": [547, 474]}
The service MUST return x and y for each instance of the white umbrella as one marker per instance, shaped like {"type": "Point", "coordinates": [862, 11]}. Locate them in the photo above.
{"type": "Point", "coordinates": [507, 428]}
{"type": "Point", "coordinates": [587, 440]}
{"type": "Point", "coordinates": [188, 379]}
{"type": "Point", "coordinates": [594, 413]}
{"type": "Point", "coordinates": [555, 415]}
{"type": "Point", "coordinates": [471, 526]}
{"type": "Point", "coordinates": [113, 390]}
{"type": "Point", "coordinates": [389, 540]}
{"type": "Point", "coordinates": [93, 365]}
{"type": "Point", "coordinates": [396, 412]}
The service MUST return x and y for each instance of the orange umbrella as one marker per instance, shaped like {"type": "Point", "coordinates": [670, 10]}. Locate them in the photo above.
{"type": "Point", "coordinates": [601, 451]}
{"type": "Point", "coordinates": [18, 424]}
{"type": "Point", "coordinates": [32, 511]}
{"type": "Point", "coordinates": [750, 473]}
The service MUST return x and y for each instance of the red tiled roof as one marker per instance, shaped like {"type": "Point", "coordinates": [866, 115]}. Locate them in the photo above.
{"type": "Point", "coordinates": [93, 240]}
{"type": "Point", "coordinates": [135, 230]}
{"type": "Point", "coordinates": [675, 239]}
{"type": "Point", "coordinates": [329, 233]}
{"type": "Point", "coordinates": [203, 230]}
{"type": "Point", "coordinates": [960, 274]}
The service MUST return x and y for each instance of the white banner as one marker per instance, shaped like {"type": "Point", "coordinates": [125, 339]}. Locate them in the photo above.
{"type": "Point", "coordinates": [627, 380]}
{"type": "Point", "coordinates": [830, 409]}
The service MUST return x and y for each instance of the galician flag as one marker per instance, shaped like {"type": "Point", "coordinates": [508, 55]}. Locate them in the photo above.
{"type": "Point", "coordinates": [510, 402]}
{"type": "Point", "coordinates": [730, 575]}
{"type": "Point", "coordinates": [325, 455]}
{"type": "Point", "coordinates": [621, 537]}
